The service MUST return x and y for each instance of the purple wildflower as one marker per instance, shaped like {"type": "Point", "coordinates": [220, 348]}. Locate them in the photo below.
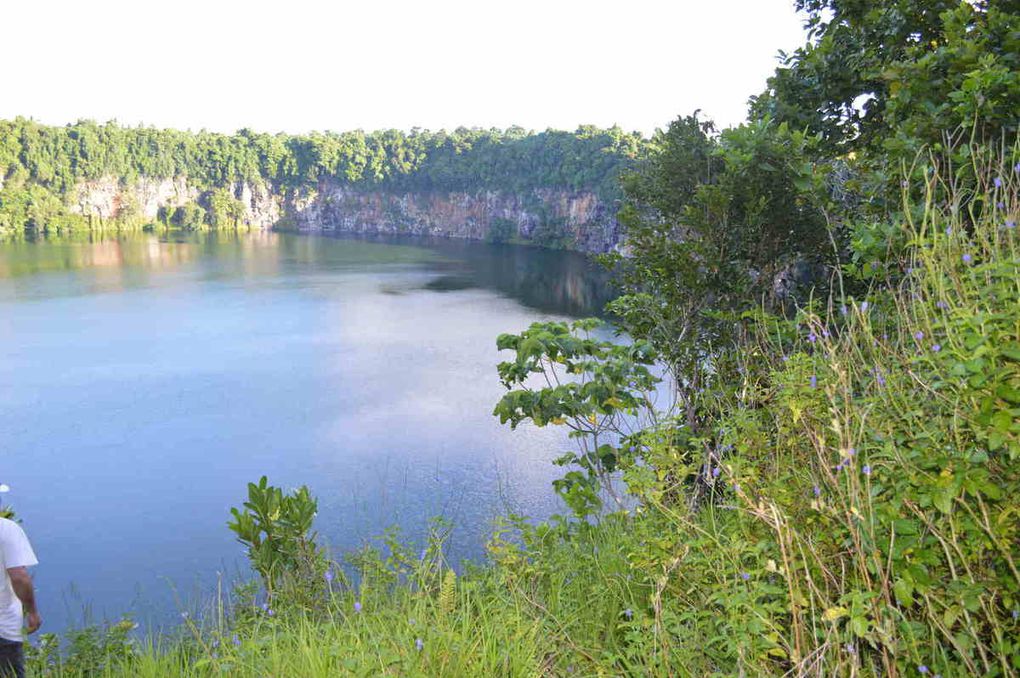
{"type": "Point", "coordinates": [949, 230]}
{"type": "Point", "coordinates": [904, 184]}
{"type": "Point", "coordinates": [1016, 168]}
{"type": "Point", "coordinates": [864, 306]}
{"type": "Point", "coordinates": [849, 647]}
{"type": "Point", "coordinates": [842, 309]}
{"type": "Point", "coordinates": [817, 491]}
{"type": "Point", "coordinates": [997, 182]}
{"type": "Point", "coordinates": [1010, 223]}
{"type": "Point", "coordinates": [919, 335]}
{"type": "Point", "coordinates": [922, 669]}
{"type": "Point", "coordinates": [879, 379]}
{"type": "Point", "coordinates": [941, 304]}
{"type": "Point", "coordinates": [866, 470]}
{"type": "Point", "coordinates": [419, 644]}
{"type": "Point", "coordinates": [967, 258]}
{"type": "Point", "coordinates": [329, 575]}
{"type": "Point", "coordinates": [1016, 614]}
{"type": "Point", "coordinates": [1000, 205]}
{"type": "Point", "coordinates": [910, 269]}
{"type": "Point", "coordinates": [874, 266]}
{"type": "Point", "coordinates": [736, 487]}
{"type": "Point", "coordinates": [357, 606]}
{"type": "Point", "coordinates": [424, 553]}
{"type": "Point", "coordinates": [265, 607]}
{"type": "Point", "coordinates": [745, 576]}
{"type": "Point", "coordinates": [812, 337]}
{"type": "Point", "coordinates": [936, 347]}
{"type": "Point", "coordinates": [236, 641]}
{"type": "Point", "coordinates": [270, 612]}
{"type": "Point", "coordinates": [814, 381]}
{"type": "Point", "coordinates": [839, 467]}
{"type": "Point", "coordinates": [825, 333]}
{"type": "Point", "coordinates": [628, 613]}
{"type": "Point", "coordinates": [716, 471]}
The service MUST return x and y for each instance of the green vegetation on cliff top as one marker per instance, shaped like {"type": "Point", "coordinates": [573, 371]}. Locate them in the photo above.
{"type": "Point", "coordinates": [41, 165]}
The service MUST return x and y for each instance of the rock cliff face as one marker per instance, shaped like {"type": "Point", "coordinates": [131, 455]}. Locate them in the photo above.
{"type": "Point", "coordinates": [576, 219]}
{"type": "Point", "coordinates": [107, 198]}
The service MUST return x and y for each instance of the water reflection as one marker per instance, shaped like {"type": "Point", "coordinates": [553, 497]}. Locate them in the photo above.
{"type": "Point", "coordinates": [551, 281]}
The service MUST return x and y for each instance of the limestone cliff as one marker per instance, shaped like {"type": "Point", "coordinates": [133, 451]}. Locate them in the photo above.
{"type": "Point", "coordinates": [575, 219]}
{"type": "Point", "coordinates": [109, 198]}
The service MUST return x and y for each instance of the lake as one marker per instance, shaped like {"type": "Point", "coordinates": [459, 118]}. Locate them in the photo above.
{"type": "Point", "coordinates": [145, 379]}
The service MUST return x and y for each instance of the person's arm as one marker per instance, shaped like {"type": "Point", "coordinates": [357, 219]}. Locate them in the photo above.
{"type": "Point", "coordinates": [21, 582]}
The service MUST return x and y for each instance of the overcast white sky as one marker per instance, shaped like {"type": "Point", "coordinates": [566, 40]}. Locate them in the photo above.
{"type": "Point", "coordinates": [299, 65]}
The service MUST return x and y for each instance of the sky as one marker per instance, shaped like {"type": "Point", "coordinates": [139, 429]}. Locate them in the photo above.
{"type": "Point", "coordinates": [297, 65]}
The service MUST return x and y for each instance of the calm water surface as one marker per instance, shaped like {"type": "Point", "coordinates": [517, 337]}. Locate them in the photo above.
{"type": "Point", "coordinates": [145, 380]}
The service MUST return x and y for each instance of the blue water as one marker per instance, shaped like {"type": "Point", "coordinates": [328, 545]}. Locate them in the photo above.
{"type": "Point", "coordinates": [145, 380]}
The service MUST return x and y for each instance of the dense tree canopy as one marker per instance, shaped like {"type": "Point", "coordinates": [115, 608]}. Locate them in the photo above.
{"type": "Point", "coordinates": [896, 74]}
{"type": "Point", "coordinates": [464, 159]}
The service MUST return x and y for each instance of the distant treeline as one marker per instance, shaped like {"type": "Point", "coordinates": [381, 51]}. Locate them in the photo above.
{"type": "Point", "coordinates": [41, 164]}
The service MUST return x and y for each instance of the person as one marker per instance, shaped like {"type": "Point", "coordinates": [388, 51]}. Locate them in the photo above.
{"type": "Point", "coordinates": [17, 598]}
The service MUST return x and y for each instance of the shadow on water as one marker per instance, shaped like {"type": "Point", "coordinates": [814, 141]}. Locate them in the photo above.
{"type": "Point", "coordinates": [553, 281]}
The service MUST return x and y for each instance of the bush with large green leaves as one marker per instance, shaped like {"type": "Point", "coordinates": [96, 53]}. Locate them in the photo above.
{"type": "Point", "coordinates": [563, 375]}
{"type": "Point", "coordinates": [276, 528]}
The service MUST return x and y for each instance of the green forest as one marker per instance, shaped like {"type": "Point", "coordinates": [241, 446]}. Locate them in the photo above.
{"type": "Point", "coordinates": [41, 166]}
{"type": "Point", "coordinates": [830, 294]}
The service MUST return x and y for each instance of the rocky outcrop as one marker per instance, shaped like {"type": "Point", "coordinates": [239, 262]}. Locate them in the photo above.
{"type": "Point", "coordinates": [576, 219]}
{"type": "Point", "coordinates": [109, 197]}
{"type": "Point", "coordinates": [262, 208]}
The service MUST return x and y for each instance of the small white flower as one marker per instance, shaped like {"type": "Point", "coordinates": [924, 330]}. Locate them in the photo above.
{"type": "Point", "coordinates": [4, 487]}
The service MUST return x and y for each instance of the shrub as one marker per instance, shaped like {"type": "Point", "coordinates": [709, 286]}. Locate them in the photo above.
{"type": "Point", "coordinates": [276, 528]}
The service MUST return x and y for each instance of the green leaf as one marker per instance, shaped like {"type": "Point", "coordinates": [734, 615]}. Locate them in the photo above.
{"type": "Point", "coordinates": [943, 500]}
{"type": "Point", "coordinates": [904, 591]}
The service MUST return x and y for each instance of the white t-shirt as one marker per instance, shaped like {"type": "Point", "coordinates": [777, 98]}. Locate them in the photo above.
{"type": "Point", "coordinates": [15, 551]}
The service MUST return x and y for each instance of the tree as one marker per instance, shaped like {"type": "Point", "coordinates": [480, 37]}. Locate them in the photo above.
{"type": "Point", "coordinates": [836, 85]}
{"type": "Point", "coordinates": [224, 209]}
{"type": "Point", "coordinates": [709, 221]}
